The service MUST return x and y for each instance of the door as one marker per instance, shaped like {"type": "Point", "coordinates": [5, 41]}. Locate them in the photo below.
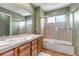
{"type": "Point", "coordinates": [63, 29]}
{"type": "Point", "coordinates": [50, 31]}
{"type": "Point", "coordinates": [59, 28]}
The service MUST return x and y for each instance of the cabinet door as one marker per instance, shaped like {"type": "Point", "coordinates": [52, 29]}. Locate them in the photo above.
{"type": "Point", "coordinates": [34, 52]}
{"type": "Point", "coordinates": [40, 44]}
{"type": "Point", "coordinates": [24, 49]}
{"type": "Point", "coordinates": [34, 48]}
{"type": "Point", "coordinates": [9, 53]}
{"type": "Point", "coordinates": [25, 53]}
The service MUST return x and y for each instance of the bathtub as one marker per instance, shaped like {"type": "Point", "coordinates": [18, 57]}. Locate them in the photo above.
{"type": "Point", "coordinates": [60, 46]}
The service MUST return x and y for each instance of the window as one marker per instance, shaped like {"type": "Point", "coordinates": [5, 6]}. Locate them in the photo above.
{"type": "Point", "coordinates": [51, 19]}
{"type": "Point", "coordinates": [22, 23]}
{"type": "Point", "coordinates": [60, 18]}
{"type": "Point", "coordinates": [54, 19]}
{"type": "Point", "coordinates": [29, 22]}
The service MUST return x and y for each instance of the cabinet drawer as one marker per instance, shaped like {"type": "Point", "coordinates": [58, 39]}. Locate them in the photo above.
{"type": "Point", "coordinates": [34, 42]}
{"type": "Point", "coordinates": [25, 53]}
{"type": "Point", "coordinates": [34, 53]}
{"type": "Point", "coordinates": [24, 47]}
{"type": "Point", "coordinates": [9, 53]}
{"type": "Point", "coordinates": [34, 47]}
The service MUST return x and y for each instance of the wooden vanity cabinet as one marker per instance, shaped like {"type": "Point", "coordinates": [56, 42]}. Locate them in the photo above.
{"type": "Point", "coordinates": [34, 52]}
{"type": "Point", "coordinates": [24, 50]}
{"type": "Point", "coordinates": [13, 52]}
{"type": "Point", "coordinates": [34, 48]}
{"type": "Point", "coordinates": [9, 53]}
{"type": "Point", "coordinates": [40, 44]}
{"type": "Point", "coordinates": [31, 48]}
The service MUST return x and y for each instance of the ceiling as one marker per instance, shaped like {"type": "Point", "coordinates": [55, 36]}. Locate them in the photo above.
{"type": "Point", "coordinates": [15, 8]}
{"type": "Point", "coordinates": [51, 6]}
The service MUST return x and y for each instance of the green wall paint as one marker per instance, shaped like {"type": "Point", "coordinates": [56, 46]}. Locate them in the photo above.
{"type": "Point", "coordinates": [38, 20]}
{"type": "Point", "coordinates": [74, 8]}
{"type": "Point", "coordinates": [57, 12]}
{"type": "Point", "coordinates": [39, 13]}
{"type": "Point", "coordinates": [76, 29]}
{"type": "Point", "coordinates": [42, 13]}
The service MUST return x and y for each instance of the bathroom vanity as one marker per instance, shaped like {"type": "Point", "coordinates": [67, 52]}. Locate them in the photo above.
{"type": "Point", "coordinates": [22, 45]}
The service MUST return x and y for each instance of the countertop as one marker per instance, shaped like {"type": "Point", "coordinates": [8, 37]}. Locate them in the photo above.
{"type": "Point", "coordinates": [14, 41]}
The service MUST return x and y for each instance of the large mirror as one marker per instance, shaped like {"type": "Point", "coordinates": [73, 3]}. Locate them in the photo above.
{"type": "Point", "coordinates": [5, 24]}
{"type": "Point", "coordinates": [14, 20]}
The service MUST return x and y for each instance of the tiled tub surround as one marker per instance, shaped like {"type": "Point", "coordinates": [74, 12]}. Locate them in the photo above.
{"type": "Point", "coordinates": [23, 44]}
